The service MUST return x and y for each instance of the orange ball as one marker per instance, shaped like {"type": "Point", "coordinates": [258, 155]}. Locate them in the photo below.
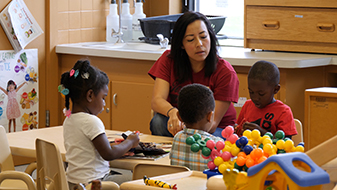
{"type": "Point", "coordinates": [261, 159]}
{"type": "Point", "coordinates": [250, 162]}
{"type": "Point", "coordinates": [243, 154]}
{"type": "Point", "coordinates": [240, 161]}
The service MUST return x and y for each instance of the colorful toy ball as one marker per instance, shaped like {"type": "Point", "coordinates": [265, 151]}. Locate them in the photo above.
{"type": "Point", "coordinates": [279, 134]}
{"type": "Point", "coordinates": [247, 149]}
{"type": "Point", "coordinates": [228, 131]}
{"type": "Point", "coordinates": [241, 142]}
{"type": "Point", "coordinates": [197, 136]}
{"type": "Point", "coordinates": [269, 134]}
{"type": "Point", "coordinates": [206, 151]}
{"type": "Point", "coordinates": [220, 145]}
{"type": "Point", "coordinates": [247, 133]}
{"type": "Point", "coordinates": [210, 144]}
{"type": "Point", "coordinates": [211, 165]}
{"type": "Point", "coordinates": [190, 140]}
{"type": "Point", "coordinates": [226, 156]}
{"type": "Point", "coordinates": [195, 147]}
{"type": "Point", "coordinates": [233, 138]}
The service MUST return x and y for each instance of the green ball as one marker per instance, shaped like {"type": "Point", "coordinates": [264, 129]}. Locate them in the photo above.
{"type": "Point", "coordinates": [190, 140]}
{"type": "Point", "coordinates": [197, 136]}
{"type": "Point", "coordinates": [236, 166]}
{"type": "Point", "coordinates": [206, 151]}
{"type": "Point", "coordinates": [195, 147]}
{"type": "Point", "coordinates": [275, 141]}
{"type": "Point", "coordinates": [279, 134]}
{"type": "Point", "coordinates": [287, 138]}
{"type": "Point", "coordinates": [261, 146]}
{"type": "Point", "coordinates": [269, 134]}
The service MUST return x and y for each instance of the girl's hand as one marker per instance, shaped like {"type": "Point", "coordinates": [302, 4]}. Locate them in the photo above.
{"type": "Point", "coordinates": [134, 138]}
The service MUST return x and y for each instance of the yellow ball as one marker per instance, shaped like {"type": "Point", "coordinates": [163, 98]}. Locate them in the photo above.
{"type": "Point", "coordinates": [280, 144]}
{"type": "Point", "coordinates": [255, 134]}
{"type": "Point", "coordinates": [268, 148]}
{"type": "Point", "coordinates": [235, 150]}
{"type": "Point", "coordinates": [267, 140]}
{"type": "Point", "coordinates": [299, 149]}
{"type": "Point", "coordinates": [247, 133]}
{"type": "Point", "coordinates": [275, 147]}
{"type": "Point", "coordinates": [218, 160]}
{"type": "Point", "coordinates": [222, 168]}
{"type": "Point", "coordinates": [288, 145]}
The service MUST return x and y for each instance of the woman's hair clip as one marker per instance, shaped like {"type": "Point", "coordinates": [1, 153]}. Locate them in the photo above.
{"type": "Point", "coordinates": [66, 112]}
{"type": "Point", "coordinates": [85, 75]}
{"type": "Point", "coordinates": [63, 90]}
{"type": "Point", "coordinates": [73, 73]}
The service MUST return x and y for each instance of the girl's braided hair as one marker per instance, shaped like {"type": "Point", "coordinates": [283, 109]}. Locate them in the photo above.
{"type": "Point", "coordinates": [87, 77]}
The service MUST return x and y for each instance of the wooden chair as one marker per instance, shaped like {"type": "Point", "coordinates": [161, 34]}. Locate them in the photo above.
{"type": "Point", "coordinates": [50, 169]}
{"type": "Point", "coordinates": [151, 170]}
{"type": "Point", "coordinates": [9, 178]}
{"type": "Point", "coordinates": [299, 137]}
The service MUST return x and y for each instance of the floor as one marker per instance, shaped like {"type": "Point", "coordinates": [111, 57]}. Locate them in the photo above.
{"type": "Point", "coordinates": [126, 174]}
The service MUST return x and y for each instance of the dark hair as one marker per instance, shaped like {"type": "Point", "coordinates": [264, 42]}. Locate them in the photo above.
{"type": "Point", "coordinates": [11, 82]}
{"type": "Point", "coordinates": [266, 71]}
{"type": "Point", "coordinates": [195, 101]}
{"type": "Point", "coordinates": [78, 85]}
{"type": "Point", "coordinates": [182, 65]}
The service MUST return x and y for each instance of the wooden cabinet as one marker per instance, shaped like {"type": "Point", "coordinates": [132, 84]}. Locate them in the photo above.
{"type": "Point", "coordinates": [320, 115]}
{"type": "Point", "coordinates": [128, 104]}
{"type": "Point", "coordinates": [293, 26]}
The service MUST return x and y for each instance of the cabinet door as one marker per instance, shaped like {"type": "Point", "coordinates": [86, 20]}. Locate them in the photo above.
{"type": "Point", "coordinates": [131, 106]}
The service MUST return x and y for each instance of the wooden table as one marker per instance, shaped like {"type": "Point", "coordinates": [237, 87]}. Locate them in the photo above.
{"type": "Point", "coordinates": [23, 144]}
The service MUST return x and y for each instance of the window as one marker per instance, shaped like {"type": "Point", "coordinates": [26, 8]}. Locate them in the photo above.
{"type": "Point", "coordinates": [233, 10]}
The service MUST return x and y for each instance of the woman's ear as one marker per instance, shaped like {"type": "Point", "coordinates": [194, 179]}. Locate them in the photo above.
{"type": "Point", "coordinates": [90, 95]}
{"type": "Point", "coordinates": [277, 88]}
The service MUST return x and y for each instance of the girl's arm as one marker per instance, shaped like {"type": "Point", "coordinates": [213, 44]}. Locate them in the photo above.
{"type": "Point", "coordinates": [5, 91]}
{"type": "Point", "coordinates": [160, 104]}
{"type": "Point", "coordinates": [110, 152]}
{"type": "Point", "coordinates": [221, 108]}
{"type": "Point", "coordinates": [21, 85]}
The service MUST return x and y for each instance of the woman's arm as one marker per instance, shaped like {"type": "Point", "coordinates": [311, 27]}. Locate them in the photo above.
{"type": "Point", "coordinates": [5, 91]}
{"type": "Point", "coordinates": [160, 105]}
{"type": "Point", "coordinates": [221, 108]}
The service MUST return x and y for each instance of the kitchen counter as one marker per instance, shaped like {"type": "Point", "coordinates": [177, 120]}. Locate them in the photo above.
{"type": "Point", "coordinates": [237, 56]}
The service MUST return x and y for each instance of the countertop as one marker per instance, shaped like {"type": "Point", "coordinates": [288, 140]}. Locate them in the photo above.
{"type": "Point", "coordinates": [237, 56]}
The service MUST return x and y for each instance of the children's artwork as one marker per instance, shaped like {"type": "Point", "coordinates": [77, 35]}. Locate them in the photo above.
{"type": "Point", "coordinates": [19, 24]}
{"type": "Point", "coordinates": [19, 90]}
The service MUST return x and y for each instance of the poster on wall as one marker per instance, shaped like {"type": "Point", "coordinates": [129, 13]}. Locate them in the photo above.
{"type": "Point", "coordinates": [19, 102]}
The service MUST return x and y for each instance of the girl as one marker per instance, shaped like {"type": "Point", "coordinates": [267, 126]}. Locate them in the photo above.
{"type": "Point", "coordinates": [193, 58]}
{"type": "Point", "coordinates": [12, 109]}
{"type": "Point", "coordinates": [87, 147]}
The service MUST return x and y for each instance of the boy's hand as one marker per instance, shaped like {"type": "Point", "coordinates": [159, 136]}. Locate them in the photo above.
{"type": "Point", "coordinates": [134, 138]}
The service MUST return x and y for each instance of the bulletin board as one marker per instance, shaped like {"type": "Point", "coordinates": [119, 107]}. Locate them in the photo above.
{"type": "Point", "coordinates": [19, 90]}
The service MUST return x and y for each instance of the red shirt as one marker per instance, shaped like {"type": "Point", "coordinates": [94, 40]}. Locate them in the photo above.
{"type": "Point", "coordinates": [275, 116]}
{"type": "Point", "coordinates": [223, 82]}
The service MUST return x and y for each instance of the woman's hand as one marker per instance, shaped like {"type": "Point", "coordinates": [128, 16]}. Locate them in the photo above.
{"type": "Point", "coordinates": [174, 125]}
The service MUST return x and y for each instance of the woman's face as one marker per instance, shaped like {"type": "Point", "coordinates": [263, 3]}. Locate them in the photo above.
{"type": "Point", "coordinates": [196, 42]}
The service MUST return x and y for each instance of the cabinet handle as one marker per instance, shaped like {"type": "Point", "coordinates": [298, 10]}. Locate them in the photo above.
{"type": "Point", "coordinates": [114, 99]}
{"type": "Point", "coordinates": [271, 25]}
{"type": "Point", "coordinates": [325, 27]}
{"type": "Point", "coordinates": [107, 110]}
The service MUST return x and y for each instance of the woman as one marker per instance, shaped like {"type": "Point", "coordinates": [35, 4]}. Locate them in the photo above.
{"type": "Point", "coordinates": [192, 59]}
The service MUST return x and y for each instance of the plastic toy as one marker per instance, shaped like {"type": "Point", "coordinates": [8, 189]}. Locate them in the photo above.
{"type": "Point", "coordinates": [158, 183]}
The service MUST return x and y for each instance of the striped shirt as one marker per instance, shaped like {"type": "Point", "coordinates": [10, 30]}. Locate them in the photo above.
{"type": "Point", "coordinates": [181, 153]}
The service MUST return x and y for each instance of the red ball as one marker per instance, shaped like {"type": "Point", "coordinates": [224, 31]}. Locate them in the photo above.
{"type": "Point", "coordinates": [226, 156]}
{"type": "Point", "coordinates": [220, 145]}
{"type": "Point", "coordinates": [233, 138]}
{"type": "Point", "coordinates": [228, 131]}
{"type": "Point", "coordinates": [211, 165]}
{"type": "Point", "coordinates": [210, 144]}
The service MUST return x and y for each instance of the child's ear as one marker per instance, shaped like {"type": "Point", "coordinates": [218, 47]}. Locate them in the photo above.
{"type": "Point", "coordinates": [277, 88]}
{"type": "Point", "coordinates": [209, 116]}
{"type": "Point", "coordinates": [178, 115]}
{"type": "Point", "coordinates": [90, 95]}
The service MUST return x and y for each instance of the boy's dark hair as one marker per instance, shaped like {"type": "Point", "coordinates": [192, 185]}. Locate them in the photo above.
{"type": "Point", "coordinates": [181, 60]}
{"type": "Point", "coordinates": [195, 101]}
{"type": "Point", "coordinates": [78, 84]}
{"type": "Point", "coordinates": [266, 71]}
{"type": "Point", "coordinates": [11, 82]}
